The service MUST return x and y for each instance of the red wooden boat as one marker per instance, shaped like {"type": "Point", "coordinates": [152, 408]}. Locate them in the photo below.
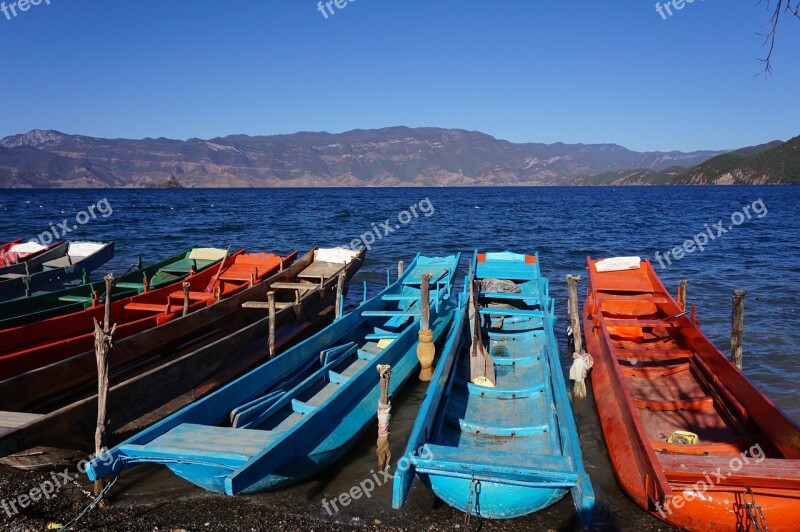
{"type": "Point", "coordinates": [691, 439]}
{"type": "Point", "coordinates": [17, 251]}
{"type": "Point", "coordinates": [7, 246]}
{"type": "Point", "coordinates": [35, 345]}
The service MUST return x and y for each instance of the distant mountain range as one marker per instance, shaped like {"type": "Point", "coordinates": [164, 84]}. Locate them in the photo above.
{"type": "Point", "coordinates": [397, 156]}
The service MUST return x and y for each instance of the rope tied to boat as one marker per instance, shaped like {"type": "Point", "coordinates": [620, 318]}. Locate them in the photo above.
{"type": "Point", "coordinates": [582, 363]}
{"type": "Point", "coordinates": [755, 513]}
{"type": "Point", "coordinates": [383, 452]}
{"type": "Point", "coordinates": [91, 505]}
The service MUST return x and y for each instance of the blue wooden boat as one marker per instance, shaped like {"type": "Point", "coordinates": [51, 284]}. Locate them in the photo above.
{"type": "Point", "coordinates": [512, 449]}
{"type": "Point", "coordinates": [301, 411]}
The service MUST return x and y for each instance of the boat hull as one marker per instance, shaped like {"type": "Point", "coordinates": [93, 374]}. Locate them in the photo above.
{"type": "Point", "coordinates": [494, 500]}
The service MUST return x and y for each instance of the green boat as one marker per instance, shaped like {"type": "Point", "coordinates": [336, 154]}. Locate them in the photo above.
{"type": "Point", "coordinates": [74, 299]}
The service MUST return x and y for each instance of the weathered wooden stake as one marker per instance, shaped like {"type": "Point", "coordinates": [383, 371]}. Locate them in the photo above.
{"type": "Point", "coordinates": [107, 314]}
{"type": "Point", "coordinates": [102, 345]}
{"type": "Point", "coordinates": [425, 297]}
{"type": "Point", "coordinates": [574, 312]}
{"type": "Point", "coordinates": [384, 452]}
{"type": "Point", "coordinates": [582, 361]}
{"type": "Point", "coordinates": [186, 287]}
{"type": "Point", "coordinates": [271, 302]}
{"type": "Point", "coordinates": [426, 351]}
{"type": "Point", "coordinates": [339, 296]}
{"type": "Point", "coordinates": [682, 294]}
{"type": "Point", "coordinates": [737, 328]}
{"type": "Point", "coordinates": [400, 269]}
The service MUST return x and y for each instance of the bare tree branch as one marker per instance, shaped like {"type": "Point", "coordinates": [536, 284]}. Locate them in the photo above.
{"type": "Point", "coordinates": [781, 7]}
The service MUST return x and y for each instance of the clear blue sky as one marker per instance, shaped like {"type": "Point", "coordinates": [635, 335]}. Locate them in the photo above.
{"type": "Point", "coordinates": [585, 71]}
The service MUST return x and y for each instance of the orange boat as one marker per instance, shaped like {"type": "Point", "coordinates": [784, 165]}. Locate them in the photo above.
{"type": "Point", "coordinates": [32, 346]}
{"type": "Point", "coordinates": [691, 438]}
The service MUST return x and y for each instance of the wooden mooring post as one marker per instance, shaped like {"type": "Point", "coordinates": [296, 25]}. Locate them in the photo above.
{"type": "Point", "coordinates": [186, 287]}
{"type": "Point", "coordinates": [737, 328]}
{"type": "Point", "coordinates": [582, 361]}
{"type": "Point", "coordinates": [426, 351]}
{"type": "Point", "coordinates": [682, 294]}
{"type": "Point", "coordinates": [102, 345]}
{"type": "Point", "coordinates": [574, 312]}
{"type": "Point", "coordinates": [271, 303]}
{"type": "Point", "coordinates": [339, 296]}
{"type": "Point", "coordinates": [400, 269]}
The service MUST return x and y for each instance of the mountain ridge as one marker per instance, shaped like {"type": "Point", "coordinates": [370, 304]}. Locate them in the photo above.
{"type": "Point", "coordinates": [392, 156]}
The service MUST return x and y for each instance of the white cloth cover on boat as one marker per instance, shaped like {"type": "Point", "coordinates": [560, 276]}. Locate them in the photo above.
{"type": "Point", "coordinates": [27, 248]}
{"type": "Point", "coordinates": [616, 264]}
{"type": "Point", "coordinates": [84, 249]}
{"type": "Point", "coordinates": [335, 255]}
{"type": "Point", "coordinates": [500, 285]}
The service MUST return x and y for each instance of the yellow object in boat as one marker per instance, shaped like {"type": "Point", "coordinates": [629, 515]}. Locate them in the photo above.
{"type": "Point", "coordinates": [483, 381]}
{"type": "Point", "coordinates": [684, 437]}
{"type": "Point", "coordinates": [384, 343]}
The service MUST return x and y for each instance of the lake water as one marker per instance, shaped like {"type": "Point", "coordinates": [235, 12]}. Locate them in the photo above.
{"type": "Point", "coordinates": [759, 251]}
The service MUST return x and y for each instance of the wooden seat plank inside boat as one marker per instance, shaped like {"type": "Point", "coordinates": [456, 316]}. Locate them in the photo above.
{"type": "Point", "coordinates": [199, 442]}
{"type": "Point", "coordinates": [10, 420]}
{"type": "Point", "coordinates": [319, 269]}
{"type": "Point", "coordinates": [547, 468]}
{"type": "Point", "coordinates": [620, 282]}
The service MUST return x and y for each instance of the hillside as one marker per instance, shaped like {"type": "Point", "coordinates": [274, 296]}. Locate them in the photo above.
{"type": "Point", "coordinates": [772, 163]}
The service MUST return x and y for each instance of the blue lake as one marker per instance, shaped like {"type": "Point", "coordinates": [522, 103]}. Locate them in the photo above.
{"type": "Point", "coordinates": [759, 250]}
{"type": "Point", "coordinates": [564, 224]}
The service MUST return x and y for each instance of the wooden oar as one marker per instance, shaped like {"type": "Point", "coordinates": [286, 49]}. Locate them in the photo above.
{"type": "Point", "coordinates": [118, 279]}
{"type": "Point", "coordinates": [210, 288]}
{"type": "Point", "coordinates": [480, 361]}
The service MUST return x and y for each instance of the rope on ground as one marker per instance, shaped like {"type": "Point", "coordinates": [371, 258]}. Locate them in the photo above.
{"type": "Point", "coordinates": [91, 505]}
